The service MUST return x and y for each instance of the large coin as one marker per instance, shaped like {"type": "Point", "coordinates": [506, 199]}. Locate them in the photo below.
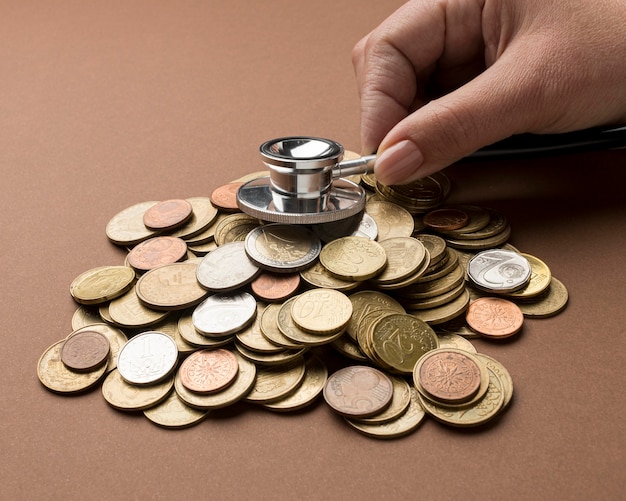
{"type": "Point", "coordinates": [170, 287]}
{"type": "Point", "coordinates": [147, 358]}
{"type": "Point", "coordinates": [101, 284]}
{"type": "Point", "coordinates": [157, 251]}
{"type": "Point", "coordinates": [353, 258]}
{"type": "Point", "coordinates": [127, 228]}
{"type": "Point", "coordinates": [321, 311]}
{"type": "Point", "coordinates": [499, 270]}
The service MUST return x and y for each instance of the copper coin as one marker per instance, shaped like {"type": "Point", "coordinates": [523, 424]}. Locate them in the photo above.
{"type": "Point", "coordinates": [207, 371]}
{"type": "Point", "coordinates": [225, 196]}
{"type": "Point", "coordinates": [168, 214]}
{"type": "Point", "coordinates": [85, 351]}
{"type": "Point", "coordinates": [358, 391]}
{"type": "Point", "coordinates": [157, 251]}
{"type": "Point", "coordinates": [449, 376]}
{"type": "Point", "coordinates": [494, 317]}
{"type": "Point", "coordinates": [446, 219]}
{"type": "Point", "coordinates": [275, 287]}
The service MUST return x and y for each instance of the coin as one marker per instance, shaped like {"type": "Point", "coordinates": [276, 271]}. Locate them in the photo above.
{"type": "Point", "coordinates": [499, 270]}
{"type": "Point", "coordinates": [321, 311]}
{"type": "Point", "coordinates": [348, 348]}
{"type": "Point", "coordinates": [479, 218]}
{"type": "Point", "coordinates": [147, 358]}
{"type": "Point", "coordinates": [85, 315]}
{"type": "Point", "coordinates": [167, 215]}
{"type": "Point", "coordinates": [170, 287]}
{"type": "Point", "coordinates": [101, 284]}
{"type": "Point", "coordinates": [353, 258]}
{"type": "Point", "coordinates": [400, 402]}
{"type": "Point", "coordinates": [318, 276]}
{"type": "Point", "coordinates": [446, 219]}
{"type": "Point", "coordinates": [117, 339]}
{"type": "Point", "coordinates": [282, 248]}
{"type": "Point", "coordinates": [358, 391]}
{"type": "Point", "coordinates": [207, 371]}
{"type": "Point", "coordinates": [445, 312]}
{"type": "Point", "coordinates": [494, 317]}
{"type": "Point", "coordinates": [270, 359]}
{"type": "Point", "coordinates": [539, 279]}
{"type": "Point", "coordinates": [204, 213]}
{"type": "Point", "coordinates": [130, 397]}
{"type": "Point", "coordinates": [226, 268]}
{"type": "Point", "coordinates": [85, 351]}
{"type": "Point", "coordinates": [405, 256]}
{"type": "Point", "coordinates": [275, 383]}
{"type": "Point", "coordinates": [391, 219]}
{"type": "Point", "coordinates": [157, 251]}
{"type": "Point", "coordinates": [293, 332]}
{"type": "Point", "coordinates": [174, 413]}
{"type": "Point", "coordinates": [169, 326]}
{"type": "Point", "coordinates": [127, 228]}
{"type": "Point", "coordinates": [224, 313]}
{"type": "Point", "coordinates": [551, 302]}
{"type": "Point", "coordinates": [435, 245]}
{"type": "Point", "coordinates": [225, 196]}
{"type": "Point", "coordinates": [234, 228]}
{"type": "Point", "coordinates": [275, 287]}
{"type": "Point", "coordinates": [189, 333]}
{"type": "Point", "coordinates": [366, 302]}
{"type": "Point", "coordinates": [451, 340]}
{"type": "Point", "coordinates": [128, 311]}
{"type": "Point", "coordinates": [252, 336]}
{"type": "Point", "coordinates": [270, 330]}
{"type": "Point", "coordinates": [499, 370]}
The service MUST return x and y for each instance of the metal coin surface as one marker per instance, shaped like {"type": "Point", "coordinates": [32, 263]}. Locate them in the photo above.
{"type": "Point", "coordinates": [318, 276]}
{"type": "Point", "coordinates": [353, 258]}
{"type": "Point", "coordinates": [130, 397]}
{"type": "Point", "coordinates": [446, 219]}
{"type": "Point", "coordinates": [129, 311]}
{"type": "Point", "coordinates": [101, 284]}
{"type": "Point", "coordinates": [391, 219]}
{"type": "Point", "coordinates": [167, 215]}
{"type": "Point", "coordinates": [549, 303]}
{"type": "Point", "coordinates": [358, 391]}
{"type": "Point", "coordinates": [321, 311]}
{"type": "Point", "coordinates": [190, 334]}
{"type": "Point", "coordinates": [226, 268]}
{"type": "Point", "coordinates": [270, 329]}
{"type": "Point", "coordinates": [505, 377]}
{"type": "Point", "coordinates": [365, 302]}
{"type": "Point", "coordinates": [85, 350]}
{"type": "Point", "coordinates": [435, 245]}
{"type": "Point", "coordinates": [282, 248]}
{"type": "Point", "coordinates": [174, 413]}
{"type": "Point", "coordinates": [207, 371]}
{"type": "Point", "coordinates": [494, 317]}
{"type": "Point", "coordinates": [275, 383]}
{"type": "Point", "coordinates": [274, 286]}
{"type": "Point", "coordinates": [225, 196]}
{"type": "Point", "coordinates": [147, 358]}
{"type": "Point", "coordinates": [234, 228]}
{"type": "Point", "coordinates": [157, 251]}
{"type": "Point", "coordinates": [117, 339]}
{"type": "Point", "coordinates": [405, 256]}
{"type": "Point", "coordinates": [252, 336]}
{"type": "Point", "coordinates": [170, 287]}
{"type": "Point", "coordinates": [400, 402]}
{"type": "Point", "coordinates": [293, 332]}
{"type": "Point", "coordinates": [499, 270]}
{"type": "Point", "coordinates": [539, 279]}
{"type": "Point", "coordinates": [224, 313]}
{"type": "Point", "coordinates": [127, 228]}
{"type": "Point", "coordinates": [204, 213]}
{"type": "Point", "coordinates": [445, 312]}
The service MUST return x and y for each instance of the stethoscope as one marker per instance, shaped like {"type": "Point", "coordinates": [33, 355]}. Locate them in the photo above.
{"type": "Point", "coordinates": [307, 185]}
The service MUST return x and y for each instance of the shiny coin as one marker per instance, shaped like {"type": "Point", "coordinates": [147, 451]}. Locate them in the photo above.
{"type": "Point", "coordinates": [174, 413]}
{"type": "Point", "coordinates": [225, 196]}
{"type": "Point", "coordinates": [358, 391]}
{"type": "Point", "coordinates": [224, 313]}
{"type": "Point", "coordinates": [189, 333]}
{"type": "Point", "coordinates": [85, 315]}
{"type": "Point", "coordinates": [167, 215]}
{"type": "Point", "coordinates": [391, 219]}
{"type": "Point", "coordinates": [499, 270]}
{"type": "Point", "coordinates": [275, 383]}
{"type": "Point", "coordinates": [399, 403]}
{"type": "Point", "coordinates": [499, 370]}
{"type": "Point", "coordinates": [539, 279]}
{"type": "Point", "coordinates": [130, 397]}
{"type": "Point", "coordinates": [494, 317]}
{"type": "Point", "coordinates": [157, 251]}
{"type": "Point", "coordinates": [85, 351]}
{"type": "Point", "coordinates": [127, 228]}
{"type": "Point", "coordinates": [367, 228]}
{"type": "Point", "coordinates": [234, 228]}
{"type": "Point", "coordinates": [170, 287]}
{"type": "Point", "coordinates": [405, 255]}
{"type": "Point", "coordinates": [321, 311]}
{"type": "Point", "coordinates": [282, 248]}
{"type": "Point", "coordinates": [252, 336]}
{"type": "Point", "coordinates": [102, 284]}
{"type": "Point", "coordinates": [353, 258]}
{"type": "Point", "coordinates": [435, 245]}
{"type": "Point", "coordinates": [128, 311]}
{"type": "Point", "coordinates": [147, 358]}
{"type": "Point", "coordinates": [269, 359]}
{"type": "Point", "coordinates": [274, 286]}
{"type": "Point", "coordinates": [318, 276]}
{"type": "Point", "coordinates": [204, 213]}
{"type": "Point", "coordinates": [445, 312]}
{"type": "Point", "coordinates": [270, 330]}
{"type": "Point", "coordinates": [207, 371]}
{"type": "Point", "coordinates": [549, 303]}
{"type": "Point", "coordinates": [297, 335]}
{"type": "Point", "coordinates": [366, 302]}
{"type": "Point", "coordinates": [446, 219]}
{"type": "Point", "coordinates": [226, 268]}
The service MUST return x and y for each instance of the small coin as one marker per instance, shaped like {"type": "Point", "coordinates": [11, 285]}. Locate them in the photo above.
{"type": "Point", "coordinates": [226, 268]}
{"type": "Point", "coordinates": [366, 302]}
{"type": "Point", "coordinates": [117, 339]}
{"type": "Point", "coordinates": [445, 312]}
{"type": "Point", "coordinates": [127, 228]}
{"type": "Point", "coordinates": [274, 286]}
{"type": "Point", "coordinates": [157, 251]}
{"type": "Point", "coordinates": [494, 317]}
{"type": "Point", "coordinates": [446, 219]}
{"type": "Point", "coordinates": [540, 278]}
{"type": "Point", "coordinates": [224, 313]}
{"type": "Point", "coordinates": [435, 245]}
{"type": "Point", "coordinates": [189, 333]}
{"type": "Point", "coordinates": [101, 284]}
{"type": "Point", "coordinates": [353, 258]}
{"type": "Point", "coordinates": [170, 287]}
{"type": "Point", "coordinates": [225, 196]}
{"type": "Point", "coordinates": [367, 227]}
{"type": "Point", "coordinates": [147, 358]}
{"type": "Point", "coordinates": [282, 248]}
{"type": "Point", "coordinates": [207, 371]}
{"type": "Point", "coordinates": [358, 391]}
{"type": "Point", "coordinates": [321, 311]}
{"type": "Point", "coordinates": [174, 413]}
{"type": "Point", "coordinates": [549, 303]}
{"type": "Point", "coordinates": [168, 214]}
{"type": "Point", "coordinates": [130, 397]}
{"type": "Point", "coordinates": [85, 351]}
{"type": "Point", "coordinates": [297, 335]}
{"type": "Point", "coordinates": [275, 383]}
{"type": "Point", "coordinates": [499, 270]}
{"type": "Point", "coordinates": [234, 228]}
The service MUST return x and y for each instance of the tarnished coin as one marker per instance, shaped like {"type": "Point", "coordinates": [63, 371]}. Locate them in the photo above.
{"type": "Point", "coordinates": [358, 391]}
{"type": "Point", "coordinates": [391, 219]}
{"type": "Point", "coordinates": [225, 196]}
{"type": "Point", "coordinates": [447, 218]}
{"type": "Point", "coordinates": [226, 268]}
{"type": "Point", "coordinates": [117, 339]}
{"type": "Point", "coordinates": [282, 248]}
{"type": "Point", "coordinates": [275, 383]}
{"type": "Point", "coordinates": [405, 255]}
{"type": "Point", "coordinates": [204, 213]}
{"type": "Point", "coordinates": [549, 303]}
{"type": "Point", "coordinates": [85, 351]}
{"type": "Point", "coordinates": [168, 214]}
{"type": "Point", "coordinates": [101, 284]}
{"type": "Point", "coordinates": [170, 287]}
{"type": "Point", "coordinates": [275, 286]}
{"type": "Point", "coordinates": [147, 358]}
{"type": "Point", "coordinates": [127, 228]}
{"type": "Point", "coordinates": [499, 270]}
{"type": "Point", "coordinates": [174, 413]}
{"type": "Point", "coordinates": [321, 311]}
{"type": "Point", "coordinates": [353, 258]}
{"type": "Point", "coordinates": [494, 317]}
{"type": "Point", "coordinates": [157, 251]}
{"type": "Point", "coordinates": [207, 371]}
{"type": "Point", "coordinates": [130, 397]}
{"type": "Point", "coordinates": [224, 313]}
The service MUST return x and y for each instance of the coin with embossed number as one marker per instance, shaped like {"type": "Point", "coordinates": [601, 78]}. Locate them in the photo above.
{"type": "Point", "coordinates": [321, 311]}
{"type": "Point", "coordinates": [147, 358]}
{"type": "Point", "coordinates": [353, 258]}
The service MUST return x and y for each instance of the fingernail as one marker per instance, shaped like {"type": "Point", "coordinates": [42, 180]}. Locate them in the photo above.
{"type": "Point", "coordinates": [398, 162]}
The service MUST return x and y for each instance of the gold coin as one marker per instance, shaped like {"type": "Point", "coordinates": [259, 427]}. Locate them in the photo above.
{"type": "Point", "coordinates": [291, 330]}
{"type": "Point", "coordinates": [353, 258]}
{"type": "Point", "coordinates": [127, 228]}
{"type": "Point", "coordinates": [391, 219]}
{"type": "Point", "coordinates": [444, 313]}
{"type": "Point", "coordinates": [400, 401]}
{"type": "Point", "coordinates": [444, 267]}
{"type": "Point", "coordinates": [482, 244]}
{"type": "Point", "coordinates": [170, 287]}
{"type": "Point", "coordinates": [202, 249]}
{"type": "Point", "coordinates": [252, 336]}
{"type": "Point", "coordinates": [348, 348]}
{"type": "Point", "coordinates": [432, 288]}
{"type": "Point", "coordinates": [101, 284]}
{"type": "Point", "coordinates": [270, 359]}
{"type": "Point", "coordinates": [321, 311]}
{"type": "Point", "coordinates": [235, 228]}
{"type": "Point", "coordinates": [270, 330]}
{"type": "Point", "coordinates": [85, 315]}
{"type": "Point", "coordinates": [275, 383]}
{"type": "Point", "coordinates": [169, 326]}
{"type": "Point", "coordinates": [435, 301]}
{"type": "Point", "coordinates": [129, 397]}
{"type": "Point", "coordinates": [174, 413]}
{"type": "Point", "coordinates": [128, 311]}
{"type": "Point", "coordinates": [540, 277]}
{"type": "Point", "coordinates": [405, 255]}
{"type": "Point", "coordinates": [318, 276]}
{"type": "Point", "coordinates": [501, 371]}
{"type": "Point", "coordinates": [408, 281]}
{"type": "Point", "coordinates": [455, 341]}
{"type": "Point", "coordinates": [204, 213]}
{"type": "Point", "coordinates": [436, 247]}
{"type": "Point", "coordinates": [552, 301]}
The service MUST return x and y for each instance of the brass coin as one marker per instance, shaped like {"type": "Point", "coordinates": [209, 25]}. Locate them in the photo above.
{"type": "Point", "coordinates": [170, 287]}
{"type": "Point", "coordinates": [189, 333]}
{"type": "Point", "coordinates": [549, 303]}
{"type": "Point", "coordinates": [365, 302]}
{"type": "Point", "coordinates": [353, 258]}
{"type": "Point", "coordinates": [204, 213]}
{"type": "Point", "coordinates": [270, 359]}
{"type": "Point", "coordinates": [167, 215]}
{"type": "Point", "coordinates": [85, 315]}
{"type": "Point", "coordinates": [486, 243]}
{"type": "Point", "coordinates": [400, 402]}
{"type": "Point", "coordinates": [101, 284]}
{"type": "Point", "coordinates": [225, 196]}
{"type": "Point", "coordinates": [505, 377]}
{"type": "Point", "coordinates": [436, 246]}
{"type": "Point", "coordinates": [207, 371]}
{"type": "Point", "coordinates": [157, 251]}
{"type": "Point", "coordinates": [540, 277]}
{"type": "Point", "coordinates": [270, 330]}
{"type": "Point", "coordinates": [348, 348]}
{"type": "Point", "coordinates": [234, 228]}
{"type": "Point", "coordinates": [127, 228]}
{"type": "Point", "coordinates": [292, 331]}
{"type": "Point", "coordinates": [174, 413]}
{"type": "Point", "coordinates": [444, 313]}
{"type": "Point", "coordinates": [129, 397]}
{"type": "Point", "coordinates": [252, 336]}
{"type": "Point", "coordinates": [391, 219]}
{"type": "Point", "coordinates": [128, 311]}
{"type": "Point", "coordinates": [494, 317]}
{"type": "Point", "coordinates": [318, 276]}
{"type": "Point", "coordinates": [457, 341]}
{"type": "Point", "coordinates": [85, 351]}
{"type": "Point", "coordinates": [405, 255]}
{"type": "Point", "coordinates": [408, 281]}
{"type": "Point", "coordinates": [321, 311]}
{"type": "Point", "coordinates": [276, 382]}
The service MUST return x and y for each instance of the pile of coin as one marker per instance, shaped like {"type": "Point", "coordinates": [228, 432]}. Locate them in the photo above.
{"type": "Point", "coordinates": [214, 307]}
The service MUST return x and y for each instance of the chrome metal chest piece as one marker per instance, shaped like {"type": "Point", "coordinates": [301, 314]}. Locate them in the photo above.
{"type": "Point", "coordinates": [305, 185]}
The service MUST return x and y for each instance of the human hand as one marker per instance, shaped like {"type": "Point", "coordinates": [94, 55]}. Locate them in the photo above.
{"type": "Point", "coordinates": [440, 79]}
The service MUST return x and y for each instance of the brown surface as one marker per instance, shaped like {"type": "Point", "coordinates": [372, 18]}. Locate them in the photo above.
{"type": "Point", "coordinates": [99, 101]}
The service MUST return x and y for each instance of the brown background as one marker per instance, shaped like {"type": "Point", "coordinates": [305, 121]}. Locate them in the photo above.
{"type": "Point", "coordinates": [106, 104]}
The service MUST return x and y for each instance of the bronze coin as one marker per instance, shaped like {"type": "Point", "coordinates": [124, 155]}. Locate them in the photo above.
{"type": "Point", "coordinates": [225, 196]}
{"type": "Point", "coordinates": [208, 371]}
{"type": "Point", "coordinates": [446, 219]}
{"type": "Point", "coordinates": [157, 251]}
{"type": "Point", "coordinates": [168, 214]}
{"type": "Point", "coordinates": [449, 376]}
{"type": "Point", "coordinates": [85, 351]}
{"type": "Point", "coordinates": [494, 317]}
{"type": "Point", "coordinates": [275, 287]}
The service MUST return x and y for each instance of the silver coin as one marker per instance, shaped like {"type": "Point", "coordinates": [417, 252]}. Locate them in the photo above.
{"type": "Point", "coordinates": [282, 248]}
{"type": "Point", "coordinates": [223, 314]}
{"type": "Point", "coordinates": [499, 270]}
{"type": "Point", "coordinates": [147, 358]}
{"type": "Point", "coordinates": [367, 227]}
{"type": "Point", "coordinates": [226, 268]}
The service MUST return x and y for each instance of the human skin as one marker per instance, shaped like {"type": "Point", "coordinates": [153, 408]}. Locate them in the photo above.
{"type": "Point", "coordinates": [439, 79]}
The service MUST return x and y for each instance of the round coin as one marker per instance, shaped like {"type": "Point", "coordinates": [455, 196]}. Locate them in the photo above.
{"type": "Point", "coordinates": [275, 287]}
{"type": "Point", "coordinates": [147, 358]}
{"type": "Point", "coordinates": [353, 258]}
{"type": "Point", "coordinates": [321, 311]}
{"type": "Point", "coordinates": [130, 397]}
{"type": "Point", "coordinates": [226, 268]}
{"type": "Point", "coordinates": [549, 303]}
{"type": "Point", "coordinates": [207, 371]}
{"type": "Point", "coordinates": [102, 284]}
{"type": "Point", "coordinates": [157, 251]}
{"type": "Point", "coordinates": [168, 214]}
{"type": "Point", "coordinates": [358, 391]}
{"type": "Point", "coordinates": [170, 287]}
{"type": "Point", "coordinates": [225, 196]}
{"type": "Point", "coordinates": [494, 317]}
{"type": "Point", "coordinates": [127, 228]}
{"type": "Point", "coordinates": [174, 413]}
{"type": "Point", "coordinates": [276, 382]}
{"type": "Point", "coordinates": [499, 270]}
{"type": "Point", "coordinates": [85, 350]}
{"type": "Point", "coordinates": [446, 219]}
{"type": "Point", "coordinates": [225, 313]}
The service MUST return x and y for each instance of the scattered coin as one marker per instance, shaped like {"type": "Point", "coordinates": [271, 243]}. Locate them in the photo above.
{"type": "Point", "coordinates": [353, 258]}
{"type": "Point", "coordinates": [224, 313]}
{"type": "Point", "coordinates": [499, 270]}
{"type": "Point", "coordinates": [494, 317]}
{"type": "Point", "coordinates": [101, 284]}
{"type": "Point", "coordinates": [207, 371]}
{"type": "Point", "coordinates": [85, 351]}
{"type": "Point", "coordinates": [147, 358]}
{"type": "Point", "coordinates": [167, 215]}
{"type": "Point", "coordinates": [157, 251]}
{"type": "Point", "coordinates": [226, 268]}
{"type": "Point", "coordinates": [127, 228]}
{"type": "Point", "coordinates": [225, 196]}
{"type": "Point", "coordinates": [321, 311]}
